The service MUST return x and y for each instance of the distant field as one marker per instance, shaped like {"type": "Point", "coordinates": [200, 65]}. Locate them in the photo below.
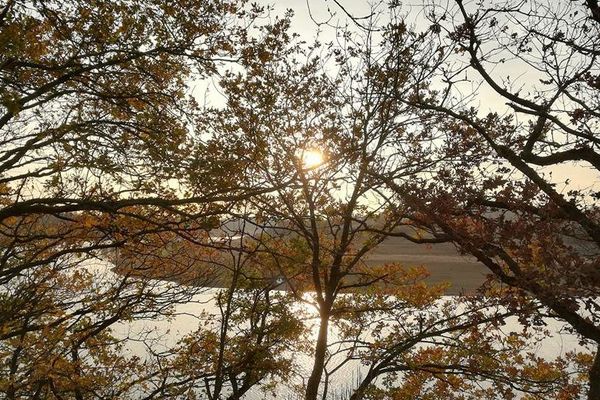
{"type": "Point", "coordinates": [442, 260]}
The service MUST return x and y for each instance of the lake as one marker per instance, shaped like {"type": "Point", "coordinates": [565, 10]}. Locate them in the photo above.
{"type": "Point", "coordinates": [168, 332]}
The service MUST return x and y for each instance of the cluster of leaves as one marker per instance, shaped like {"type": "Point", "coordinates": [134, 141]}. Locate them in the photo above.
{"type": "Point", "coordinates": [510, 90]}
{"type": "Point", "coordinates": [95, 148]}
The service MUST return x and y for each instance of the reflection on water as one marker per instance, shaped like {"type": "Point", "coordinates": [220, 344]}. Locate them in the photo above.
{"type": "Point", "coordinates": [164, 333]}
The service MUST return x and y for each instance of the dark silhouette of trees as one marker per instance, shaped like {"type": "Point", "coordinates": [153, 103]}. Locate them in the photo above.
{"type": "Point", "coordinates": [113, 177]}
{"type": "Point", "coordinates": [96, 154]}
{"type": "Point", "coordinates": [319, 229]}
{"type": "Point", "coordinates": [511, 91]}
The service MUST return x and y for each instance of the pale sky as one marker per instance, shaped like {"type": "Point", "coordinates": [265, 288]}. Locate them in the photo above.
{"type": "Point", "coordinates": [307, 13]}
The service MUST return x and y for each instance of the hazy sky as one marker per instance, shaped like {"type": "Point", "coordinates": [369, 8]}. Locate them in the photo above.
{"type": "Point", "coordinates": [311, 16]}
{"type": "Point", "coordinates": [305, 11]}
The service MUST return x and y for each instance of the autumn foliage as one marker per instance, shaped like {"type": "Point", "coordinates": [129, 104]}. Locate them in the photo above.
{"type": "Point", "coordinates": [126, 197]}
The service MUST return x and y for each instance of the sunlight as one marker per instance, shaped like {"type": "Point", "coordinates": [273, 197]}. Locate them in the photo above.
{"type": "Point", "coordinates": [312, 158]}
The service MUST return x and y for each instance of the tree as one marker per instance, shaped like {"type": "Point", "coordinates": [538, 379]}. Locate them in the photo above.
{"type": "Point", "coordinates": [96, 154]}
{"type": "Point", "coordinates": [534, 66]}
{"type": "Point", "coordinates": [249, 342]}
{"type": "Point", "coordinates": [105, 155]}
{"type": "Point", "coordinates": [320, 122]}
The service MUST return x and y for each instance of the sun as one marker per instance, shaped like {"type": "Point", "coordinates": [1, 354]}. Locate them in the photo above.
{"type": "Point", "coordinates": [312, 158]}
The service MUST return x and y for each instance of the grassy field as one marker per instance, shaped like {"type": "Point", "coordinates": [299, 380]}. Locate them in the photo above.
{"type": "Point", "coordinates": [442, 260]}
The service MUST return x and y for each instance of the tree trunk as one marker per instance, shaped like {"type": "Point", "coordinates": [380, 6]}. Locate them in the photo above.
{"type": "Point", "coordinates": [312, 387]}
{"type": "Point", "coordinates": [594, 393]}
{"type": "Point", "coordinates": [359, 393]}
